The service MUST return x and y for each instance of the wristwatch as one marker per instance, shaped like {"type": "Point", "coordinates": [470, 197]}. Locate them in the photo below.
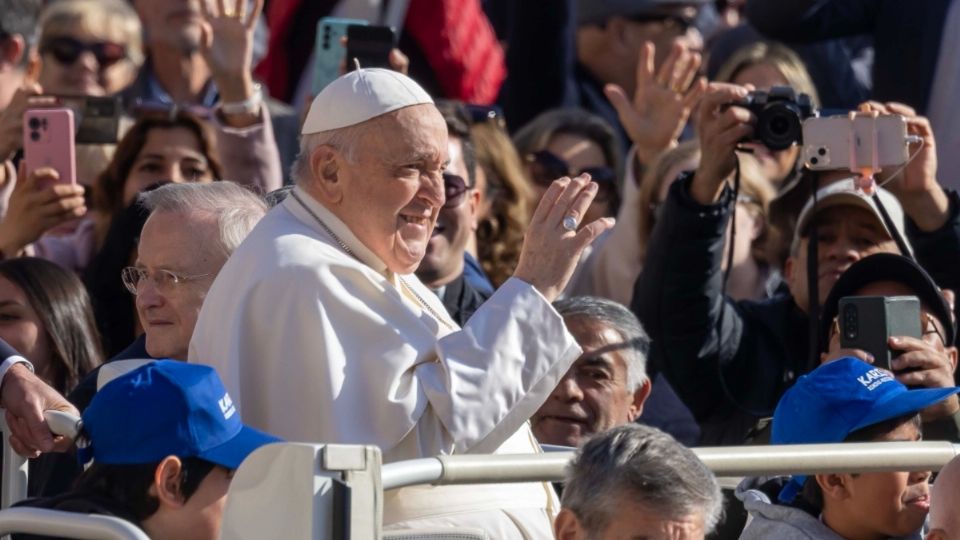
{"type": "Point", "coordinates": [250, 106]}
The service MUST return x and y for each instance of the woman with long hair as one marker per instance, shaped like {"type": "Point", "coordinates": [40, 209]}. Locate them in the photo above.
{"type": "Point", "coordinates": [45, 314]}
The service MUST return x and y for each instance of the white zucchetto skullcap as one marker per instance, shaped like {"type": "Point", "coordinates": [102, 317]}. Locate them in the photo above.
{"type": "Point", "coordinates": [359, 96]}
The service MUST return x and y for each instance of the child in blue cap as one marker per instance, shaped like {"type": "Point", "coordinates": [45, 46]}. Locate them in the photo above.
{"type": "Point", "coordinates": [165, 440]}
{"type": "Point", "coordinates": [845, 400]}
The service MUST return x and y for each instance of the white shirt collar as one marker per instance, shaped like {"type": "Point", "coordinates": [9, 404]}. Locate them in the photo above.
{"type": "Point", "coordinates": [338, 227]}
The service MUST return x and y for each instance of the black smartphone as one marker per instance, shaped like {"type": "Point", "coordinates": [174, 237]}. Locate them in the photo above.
{"type": "Point", "coordinates": [868, 322]}
{"type": "Point", "coordinates": [97, 118]}
{"type": "Point", "coordinates": [370, 46]}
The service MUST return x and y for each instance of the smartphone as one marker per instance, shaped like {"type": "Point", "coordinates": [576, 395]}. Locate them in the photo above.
{"type": "Point", "coordinates": [370, 46]}
{"type": "Point", "coordinates": [97, 117]}
{"type": "Point", "coordinates": [328, 53]}
{"type": "Point", "coordinates": [837, 142]}
{"type": "Point", "coordinates": [868, 322]}
{"type": "Point", "coordinates": [48, 141]}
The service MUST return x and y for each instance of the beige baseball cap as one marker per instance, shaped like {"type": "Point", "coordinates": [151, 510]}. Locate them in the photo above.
{"type": "Point", "coordinates": [846, 193]}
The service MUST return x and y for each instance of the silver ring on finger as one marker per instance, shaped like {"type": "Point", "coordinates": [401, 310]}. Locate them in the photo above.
{"type": "Point", "coordinates": [570, 223]}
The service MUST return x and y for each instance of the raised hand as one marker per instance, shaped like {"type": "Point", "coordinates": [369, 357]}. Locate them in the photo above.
{"type": "Point", "coordinates": [227, 46]}
{"type": "Point", "coordinates": [662, 101]}
{"type": "Point", "coordinates": [926, 365]}
{"type": "Point", "coordinates": [553, 243]}
{"type": "Point", "coordinates": [721, 128]}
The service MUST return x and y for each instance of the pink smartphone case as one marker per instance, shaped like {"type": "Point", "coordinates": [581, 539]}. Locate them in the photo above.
{"type": "Point", "coordinates": [48, 142]}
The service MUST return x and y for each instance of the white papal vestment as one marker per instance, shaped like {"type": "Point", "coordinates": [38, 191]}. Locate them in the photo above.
{"type": "Point", "coordinates": [318, 345]}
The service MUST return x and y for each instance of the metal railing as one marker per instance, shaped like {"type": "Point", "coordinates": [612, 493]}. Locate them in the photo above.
{"type": "Point", "coordinates": [68, 525]}
{"type": "Point", "coordinates": [723, 461]}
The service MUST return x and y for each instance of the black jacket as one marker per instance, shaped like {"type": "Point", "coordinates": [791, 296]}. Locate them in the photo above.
{"type": "Point", "coordinates": [461, 299]}
{"type": "Point", "coordinates": [78, 503]}
{"type": "Point", "coordinates": [731, 361]}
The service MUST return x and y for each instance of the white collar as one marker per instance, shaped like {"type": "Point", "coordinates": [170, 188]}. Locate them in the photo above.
{"type": "Point", "coordinates": [337, 227]}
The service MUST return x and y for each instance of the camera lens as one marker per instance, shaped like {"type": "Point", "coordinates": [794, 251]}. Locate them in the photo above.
{"type": "Point", "coordinates": [34, 123]}
{"type": "Point", "coordinates": [34, 136]}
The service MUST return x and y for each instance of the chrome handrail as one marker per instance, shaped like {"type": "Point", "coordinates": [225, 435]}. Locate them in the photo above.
{"type": "Point", "coordinates": [67, 525]}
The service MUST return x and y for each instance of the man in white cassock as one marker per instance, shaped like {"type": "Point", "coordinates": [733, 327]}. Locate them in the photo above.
{"type": "Point", "coordinates": [322, 332]}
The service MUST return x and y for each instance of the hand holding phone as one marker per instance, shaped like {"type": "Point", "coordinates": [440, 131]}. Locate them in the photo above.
{"type": "Point", "coordinates": [38, 203]}
{"type": "Point", "coordinates": [48, 141]}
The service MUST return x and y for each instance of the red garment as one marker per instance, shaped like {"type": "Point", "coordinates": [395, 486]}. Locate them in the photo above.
{"type": "Point", "coordinates": [272, 70]}
{"type": "Point", "coordinates": [461, 47]}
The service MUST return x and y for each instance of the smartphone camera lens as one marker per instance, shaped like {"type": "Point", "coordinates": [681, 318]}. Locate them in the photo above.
{"type": "Point", "coordinates": [822, 151]}
{"type": "Point", "coordinates": [814, 161]}
{"type": "Point", "coordinates": [850, 326]}
{"type": "Point", "coordinates": [34, 136]}
{"type": "Point", "coordinates": [34, 123]}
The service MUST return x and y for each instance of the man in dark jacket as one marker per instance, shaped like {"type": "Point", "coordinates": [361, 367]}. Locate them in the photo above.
{"type": "Point", "coordinates": [442, 269]}
{"type": "Point", "coordinates": [731, 362]}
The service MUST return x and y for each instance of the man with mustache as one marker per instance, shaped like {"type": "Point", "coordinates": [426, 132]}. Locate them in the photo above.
{"type": "Point", "coordinates": [607, 386]}
{"type": "Point", "coordinates": [731, 362]}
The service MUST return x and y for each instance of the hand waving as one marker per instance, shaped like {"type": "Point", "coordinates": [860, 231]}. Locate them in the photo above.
{"type": "Point", "coordinates": [227, 46]}
{"type": "Point", "coordinates": [662, 102]}
{"type": "Point", "coordinates": [551, 251]}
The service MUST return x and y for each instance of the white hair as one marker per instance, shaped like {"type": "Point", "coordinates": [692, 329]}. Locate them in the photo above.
{"type": "Point", "coordinates": [237, 209]}
{"type": "Point", "coordinates": [636, 342]}
{"type": "Point", "coordinates": [346, 140]}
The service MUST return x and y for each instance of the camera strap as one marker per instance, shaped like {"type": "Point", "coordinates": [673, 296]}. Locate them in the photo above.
{"type": "Point", "coordinates": [813, 284]}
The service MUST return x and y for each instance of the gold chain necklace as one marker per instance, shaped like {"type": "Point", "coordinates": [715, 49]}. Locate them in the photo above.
{"type": "Point", "coordinates": [350, 252]}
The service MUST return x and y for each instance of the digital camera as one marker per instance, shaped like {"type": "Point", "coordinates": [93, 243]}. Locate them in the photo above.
{"type": "Point", "coordinates": [780, 114]}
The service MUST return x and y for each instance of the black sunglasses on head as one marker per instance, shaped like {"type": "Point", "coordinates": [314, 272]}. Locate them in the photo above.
{"type": "Point", "coordinates": [67, 50]}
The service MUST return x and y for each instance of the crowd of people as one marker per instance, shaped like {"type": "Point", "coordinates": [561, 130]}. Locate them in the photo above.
{"type": "Point", "coordinates": [562, 223]}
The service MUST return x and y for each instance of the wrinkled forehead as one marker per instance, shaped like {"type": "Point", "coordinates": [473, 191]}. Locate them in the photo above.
{"type": "Point", "coordinates": [417, 131]}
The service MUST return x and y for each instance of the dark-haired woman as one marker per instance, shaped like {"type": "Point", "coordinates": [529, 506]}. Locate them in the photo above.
{"type": "Point", "coordinates": [45, 314]}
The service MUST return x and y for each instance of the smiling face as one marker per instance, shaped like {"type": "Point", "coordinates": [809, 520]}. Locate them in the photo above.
{"type": "Point", "coordinates": [882, 504]}
{"type": "Point", "coordinates": [593, 396]}
{"type": "Point", "coordinates": [444, 259]}
{"type": "Point", "coordinates": [71, 68]}
{"type": "Point", "coordinates": [390, 194]}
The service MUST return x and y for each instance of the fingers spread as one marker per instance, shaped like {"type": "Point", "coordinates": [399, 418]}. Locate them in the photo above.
{"type": "Point", "coordinates": [565, 200]}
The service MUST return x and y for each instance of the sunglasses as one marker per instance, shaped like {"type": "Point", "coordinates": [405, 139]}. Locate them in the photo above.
{"type": "Point", "coordinates": [67, 50]}
{"type": "Point", "coordinates": [546, 167]}
{"type": "Point", "coordinates": [681, 23]}
{"type": "Point", "coordinates": [455, 188]}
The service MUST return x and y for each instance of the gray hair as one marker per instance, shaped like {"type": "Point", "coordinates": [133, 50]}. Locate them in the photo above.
{"type": "Point", "coordinates": [645, 465]}
{"type": "Point", "coordinates": [345, 139]}
{"type": "Point", "coordinates": [236, 208]}
{"type": "Point", "coordinates": [636, 342]}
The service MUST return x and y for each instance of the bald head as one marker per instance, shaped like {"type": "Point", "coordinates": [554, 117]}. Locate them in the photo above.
{"type": "Point", "coordinates": [944, 500]}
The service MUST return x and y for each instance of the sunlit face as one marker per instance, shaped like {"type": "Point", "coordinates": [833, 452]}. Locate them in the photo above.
{"type": "Point", "coordinates": [846, 235]}
{"type": "Point", "coordinates": [187, 245]}
{"type": "Point", "coordinates": [21, 327]}
{"type": "Point", "coordinates": [172, 23]}
{"type": "Point", "coordinates": [455, 224]}
{"type": "Point", "coordinates": [393, 191]}
{"type": "Point", "coordinates": [77, 62]}
{"type": "Point", "coordinates": [775, 165]}
{"type": "Point", "coordinates": [169, 155]}
{"type": "Point", "coordinates": [882, 504]}
{"type": "Point", "coordinates": [593, 396]}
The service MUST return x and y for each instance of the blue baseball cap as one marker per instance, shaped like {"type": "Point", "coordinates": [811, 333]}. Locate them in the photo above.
{"type": "Point", "coordinates": [838, 398]}
{"type": "Point", "coordinates": [167, 408]}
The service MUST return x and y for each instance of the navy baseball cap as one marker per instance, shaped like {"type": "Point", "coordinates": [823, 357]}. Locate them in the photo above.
{"type": "Point", "coordinates": [167, 408]}
{"type": "Point", "coordinates": [838, 398]}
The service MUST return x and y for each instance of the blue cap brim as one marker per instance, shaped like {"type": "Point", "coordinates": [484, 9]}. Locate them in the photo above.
{"type": "Point", "coordinates": [901, 403]}
{"type": "Point", "coordinates": [232, 453]}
